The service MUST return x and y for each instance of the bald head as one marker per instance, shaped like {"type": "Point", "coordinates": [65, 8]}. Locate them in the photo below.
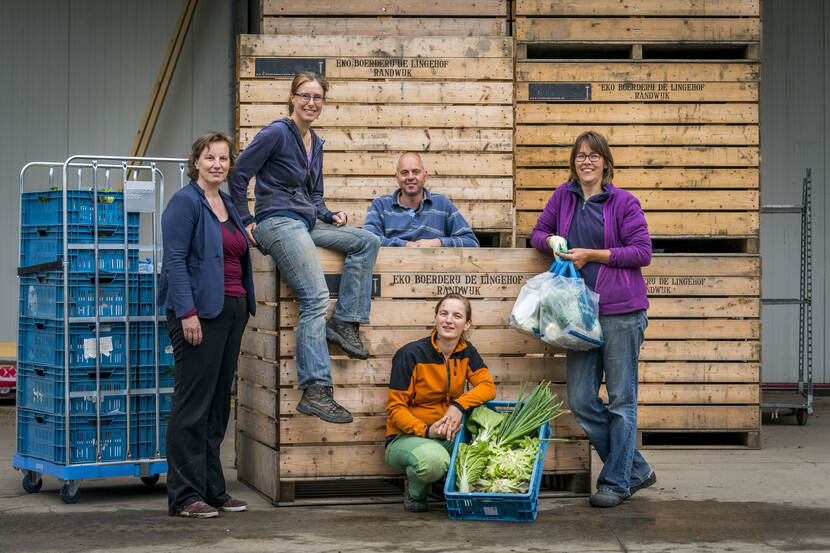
{"type": "Point", "coordinates": [411, 176]}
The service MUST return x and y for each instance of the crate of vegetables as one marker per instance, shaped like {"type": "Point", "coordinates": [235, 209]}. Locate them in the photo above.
{"type": "Point", "coordinates": [496, 465]}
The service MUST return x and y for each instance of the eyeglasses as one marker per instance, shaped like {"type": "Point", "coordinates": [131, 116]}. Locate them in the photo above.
{"type": "Point", "coordinates": [593, 156]}
{"type": "Point", "coordinates": [306, 97]}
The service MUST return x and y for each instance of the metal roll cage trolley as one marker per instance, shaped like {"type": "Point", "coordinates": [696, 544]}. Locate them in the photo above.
{"type": "Point", "coordinates": [77, 419]}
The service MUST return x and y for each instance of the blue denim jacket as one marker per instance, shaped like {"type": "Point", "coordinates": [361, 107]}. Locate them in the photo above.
{"type": "Point", "coordinates": [193, 271]}
{"type": "Point", "coordinates": [285, 181]}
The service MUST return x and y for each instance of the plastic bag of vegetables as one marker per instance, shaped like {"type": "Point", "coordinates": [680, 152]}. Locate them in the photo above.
{"type": "Point", "coordinates": [525, 314]}
{"type": "Point", "coordinates": [568, 310]}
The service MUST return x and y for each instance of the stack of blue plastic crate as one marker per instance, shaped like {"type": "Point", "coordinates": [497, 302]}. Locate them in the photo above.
{"type": "Point", "coordinates": [96, 394]}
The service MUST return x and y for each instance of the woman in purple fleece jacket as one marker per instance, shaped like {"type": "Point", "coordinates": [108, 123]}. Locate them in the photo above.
{"type": "Point", "coordinates": [602, 229]}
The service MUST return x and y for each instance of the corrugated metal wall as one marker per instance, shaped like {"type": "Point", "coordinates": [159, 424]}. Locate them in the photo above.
{"type": "Point", "coordinates": [795, 134]}
{"type": "Point", "coordinates": [77, 75]}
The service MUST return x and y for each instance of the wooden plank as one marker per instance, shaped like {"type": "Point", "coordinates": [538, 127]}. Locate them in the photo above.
{"type": "Point", "coordinates": [694, 394]}
{"type": "Point", "coordinates": [381, 92]}
{"type": "Point", "coordinates": [487, 165]}
{"type": "Point", "coordinates": [362, 460]}
{"type": "Point", "coordinates": [300, 46]}
{"type": "Point", "coordinates": [664, 200]}
{"type": "Point", "coordinates": [638, 29]}
{"type": "Point", "coordinates": [692, 417]}
{"type": "Point", "coordinates": [705, 307]}
{"type": "Point", "coordinates": [496, 8]}
{"type": "Point", "coordinates": [680, 73]}
{"type": "Point", "coordinates": [662, 156]}
{"type": "Point", "coordinates": [258, 371]}
{"type": "Point", "coordinates": [710, 8]}
{"type": "Point", "coordinates": [387, 67]}
{"type": "Point", "coordinates": [637, 113]}
{"type": "Point", "coordinates": [386, 26]}
{"type": "Point", "coordinates": [700, 372]}
{"type": "Point", "coordinates": [256, 398]}
{"type": "Point", "coordinates": [670, 224]}
{"type": "Point", "coordinates": [257, 465]}
{"type": "Point", "coordinates": [419, 140]}
{"type": "Point", "coordinates": [256, 425]}
{"type": "Point", "coordinates": [685, 178]}
{"type": "Point", "coordinates": [656, 90]}
{"type": "Point", "coordinates": [385, 116]}
{"type": "Point", "coordinates": [670, 135]}
{"type": "Point", "coordinates": [455, 188]}
{"type": "Point", "coordinates": [479, 215]}
{"type": "Point", "coordinates": [700, 350]}
{"type": "Point", "coordinates": [259, 344]}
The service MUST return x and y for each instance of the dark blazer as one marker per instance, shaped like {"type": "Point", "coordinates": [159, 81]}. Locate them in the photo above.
{"type": "Point", "coordinates": [193, 268]}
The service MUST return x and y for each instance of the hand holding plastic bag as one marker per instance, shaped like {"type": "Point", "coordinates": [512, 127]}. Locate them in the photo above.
{"type": "Point", "coordinates": [568, 310]}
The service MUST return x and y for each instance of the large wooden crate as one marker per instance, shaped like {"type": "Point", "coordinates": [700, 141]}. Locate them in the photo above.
{"type": "Point", "coordinates": [450, 99]}
{"type": "Point", "coordinates": [385, 18]}
{"type": "Point", "coordinates": [674, 88]}
{"type": "Point", "coordinates": [699, 363]}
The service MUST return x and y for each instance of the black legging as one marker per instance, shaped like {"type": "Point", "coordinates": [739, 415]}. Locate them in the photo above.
{"type": "Point", "coordinates": [201, 405]}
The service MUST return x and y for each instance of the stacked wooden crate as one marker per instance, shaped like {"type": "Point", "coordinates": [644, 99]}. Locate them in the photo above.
{"type": "Point", "coordinates": [278, 447]}
{"type": "Point", "coordinates": [449, 99]}
{"type": "Point", "coordinates": [674, 88]}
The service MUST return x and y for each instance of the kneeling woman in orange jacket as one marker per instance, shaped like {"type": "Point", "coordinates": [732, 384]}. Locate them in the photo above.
{"type": "Point", "coordinates": [427, 400]}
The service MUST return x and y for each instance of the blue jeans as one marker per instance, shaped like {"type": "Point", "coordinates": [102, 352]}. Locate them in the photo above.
{"type": "Point", "coordinates": [294, 250]}
{"type": "Point", "coordinates": [612, 429]}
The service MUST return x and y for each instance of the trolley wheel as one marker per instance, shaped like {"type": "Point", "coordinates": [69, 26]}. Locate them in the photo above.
{"type": "Point", "coordinates": [150, 480]}
{"type": "Point", "coordinates": [31, 485]}
{"type": "Point", "coordinates": [68, 496]}
{"type": "Point", "coordinates": [801, 416]}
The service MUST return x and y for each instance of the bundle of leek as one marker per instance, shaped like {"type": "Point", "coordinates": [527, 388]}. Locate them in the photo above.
{"type": "Point", "coordinates": [529, 414]}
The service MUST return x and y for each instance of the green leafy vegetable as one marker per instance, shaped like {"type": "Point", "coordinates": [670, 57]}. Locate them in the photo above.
{"type": "Point", "coordinates": [483, 422]}
{"type": "Point", "coordinates": [469, 464]}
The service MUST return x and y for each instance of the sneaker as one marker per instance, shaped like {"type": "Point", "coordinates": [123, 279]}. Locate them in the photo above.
{"type": "Point", "coordinates": [605, 498]}
{"type": "Point", "coordinates": [318, 400]}
{"type": "Point", "coordinates": [198, 509]}
{"type": "Point", "coordinates": [234, 505]}
{"type": "Point", "coordinates": [412, 505]}
{"type": "Point", "coordinates": [345, 335]}
{"type": "Point", "coordinates": [649, 480]}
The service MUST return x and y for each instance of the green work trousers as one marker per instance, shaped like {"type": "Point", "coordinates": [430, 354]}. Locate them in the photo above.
{"type": "Point", "coordinates": [422, 460]}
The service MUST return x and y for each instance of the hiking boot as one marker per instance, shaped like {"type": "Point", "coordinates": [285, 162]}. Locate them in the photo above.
{"type": "Point", "coordinates": [234, 505]}
{"type": "Point", "coordinates": [319, 401]}
{"type": "Point", "coordinates": [605, 498]}
{"type": "Point", "coordinates": [411, 504]}
{"type": "Point", "coordinates": [198, 509]}
{"type": "Point", "coordinates": [345, 335]}
{"type": "Point", "coordinates": [650, 479]}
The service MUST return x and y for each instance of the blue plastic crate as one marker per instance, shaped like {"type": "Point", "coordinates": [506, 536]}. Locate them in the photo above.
{"type": "Point", "coordinates": [43, 389]}
{"type": "Point", "coordinates": [146, 403]}
{"type": "Point", "coordinates": [42, 342]}
{"type": "Point", "coordinates": [143, 435]}
{"type": "Point", "coordinates": [46, 208]}
{"type": "Point", "coordinates": [41, 295]}
{"type": "Point", "coordinates": [142, 338]}
{"type": "Point", "coordinates": [44, 244]}
{"type": "Point", "coordinates": [520, 507]}
{"type": "Point", "coordinates": [42, 435]}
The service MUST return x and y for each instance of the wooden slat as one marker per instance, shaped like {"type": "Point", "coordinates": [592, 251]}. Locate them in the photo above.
{"type": "Point", "coordinates": [692, 417]}
{"type": "Point", "coordinates": [256, 398]}
{"type": "Point", "coordinates": [695, 394]}
{"type": "Point", "coordinates": [662, 156]}
{"type": "Point", "coordinates": [684, 178]}
{"type": "Point", "coordinates": [483, 215]}
{"type": "Point", "coordinates": [257, 465]}
{"type": "Point", "coordinates": [375, 47]}
{"type": "Point", "coordinates": [670, 135]}
{"type": "Point", "coordinates": [408, 139]}
{"type": "Point", "coordinates": [664, 200]}
{"type": "Point", "coordinates": [688, 224]}
{"type": "Point", "coordinates": [380, 92]}
{"type": "Point", "coordinates": [700, 372]}
{"type": "Point", "coordinates": [447, 68]}
{"type": "Point", "coordinates": [629, 91]}
{"type": "Point", "coordinates": [497, 8]}
{"type": "Point", "coordinates": [382, 26]}
{"type": "Point", "coordinates": [700, 350]}
{"type": "Point", "coordinates": [710, 8]}
{"type": "Point", "coordinates": [637, 29]}
{"type": "Point", "coordinates": [637, 113]}
{"type": "Point", "coordinates": [455, 188]}
{"type": "Point", "coordinates": [487, 165]}
{"type": "Point", "coordinates": [393, 115]}
{"type": "Point", "coordinates": [256, 425]}
{"type": "Point", "coordinates": [623, 71]}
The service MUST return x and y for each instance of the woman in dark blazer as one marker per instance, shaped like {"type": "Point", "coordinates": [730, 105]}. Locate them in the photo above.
{"type": "Point", "coordinates": [207, 286]}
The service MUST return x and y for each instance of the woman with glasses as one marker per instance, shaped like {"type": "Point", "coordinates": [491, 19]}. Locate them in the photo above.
{"type": "Point", "coordinates": [602, 229]}
{"type": "Point", "coordinates": [291, 219]}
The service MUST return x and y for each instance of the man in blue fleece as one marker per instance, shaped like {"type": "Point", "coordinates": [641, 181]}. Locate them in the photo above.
{"type": "Point", "coordinates": [414, 217]}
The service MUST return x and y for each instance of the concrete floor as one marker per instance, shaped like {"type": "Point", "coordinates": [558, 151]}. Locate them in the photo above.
{"type": "Point", "coordinates": [775, 499]}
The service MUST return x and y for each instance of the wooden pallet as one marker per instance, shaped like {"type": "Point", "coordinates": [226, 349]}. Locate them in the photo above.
{"type": "Point", "coordinates": [674, 88]}
{"type": "Point", "coordinates": [449, 98]}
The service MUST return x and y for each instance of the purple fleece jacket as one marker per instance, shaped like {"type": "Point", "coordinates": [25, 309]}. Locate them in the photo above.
{"type": "Point", "coordinates": [620, 284]}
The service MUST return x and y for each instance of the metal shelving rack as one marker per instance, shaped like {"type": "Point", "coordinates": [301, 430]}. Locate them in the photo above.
{"type": "Point", "coordinates": [777, 398]}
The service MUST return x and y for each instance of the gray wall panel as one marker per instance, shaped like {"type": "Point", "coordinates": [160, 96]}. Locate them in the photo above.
{"type": "Point", "coordinates": [794, 123]}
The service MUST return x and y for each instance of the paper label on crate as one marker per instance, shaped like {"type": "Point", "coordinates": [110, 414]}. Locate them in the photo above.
{"type": "Point", "coordinates": [491, 511]}
{"type": "Point", "coordinates": [105, 345]}
{"type": "Point", "coordinates": [139, 196]}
